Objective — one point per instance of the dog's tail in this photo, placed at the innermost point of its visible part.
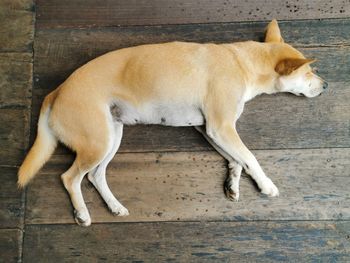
(43, 147)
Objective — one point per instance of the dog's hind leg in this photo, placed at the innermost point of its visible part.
(97, 176)
(87, 159)
(92, 141)
(231, 185)
(72, 179)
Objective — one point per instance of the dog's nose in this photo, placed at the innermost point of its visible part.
(325, 85)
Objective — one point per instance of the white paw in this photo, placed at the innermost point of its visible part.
(82, 218)
(118, 209)
(269, 188)
(231, 189)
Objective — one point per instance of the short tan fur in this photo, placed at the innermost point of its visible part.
(176, 84)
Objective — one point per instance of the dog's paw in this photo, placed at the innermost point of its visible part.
(118, 210)
(269, 188)
(82, 218)
(231, 190)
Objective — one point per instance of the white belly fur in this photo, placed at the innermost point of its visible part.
(169, 114)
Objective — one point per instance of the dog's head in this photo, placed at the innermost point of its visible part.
(295, 74)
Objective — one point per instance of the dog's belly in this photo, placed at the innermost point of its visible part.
(173, 114)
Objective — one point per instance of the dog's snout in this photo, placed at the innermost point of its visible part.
(325, 85)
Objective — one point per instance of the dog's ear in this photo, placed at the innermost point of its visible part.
(288, 65)
(273, 33)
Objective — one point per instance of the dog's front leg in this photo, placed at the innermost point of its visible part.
(231, 185)
(227, 138)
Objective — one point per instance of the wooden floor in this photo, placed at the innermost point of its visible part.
(170, 179)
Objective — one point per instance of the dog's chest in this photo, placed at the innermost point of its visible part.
(169, 114)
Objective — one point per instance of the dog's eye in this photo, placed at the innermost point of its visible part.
(315, 70)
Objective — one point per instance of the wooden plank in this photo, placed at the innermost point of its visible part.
(189, 186)
(11, 203)
(14, 134)
(10, 242)
(17, 26)
(55, 55)
(191, 242)
(65, 13)
(16, 71)
(268, 122)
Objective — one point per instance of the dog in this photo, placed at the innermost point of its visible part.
(174, 84)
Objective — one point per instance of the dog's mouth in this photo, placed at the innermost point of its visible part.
(314, 95)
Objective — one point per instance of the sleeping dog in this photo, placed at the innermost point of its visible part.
(175, 84)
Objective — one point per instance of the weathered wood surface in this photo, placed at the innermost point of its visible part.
(14, 134)
(11, 199)
(189, 186)
(65, 13)
(190, 242)
(10, 245)
(16, 71)
(17, 25)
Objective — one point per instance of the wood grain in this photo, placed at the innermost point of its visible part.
(189, 186)
(190, 242)
(14, 134)
(11, 199)
(16, 71)
(90, 13)
(10, 242)
(17, 25)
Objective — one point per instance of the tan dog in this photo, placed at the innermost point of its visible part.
(176, 84)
